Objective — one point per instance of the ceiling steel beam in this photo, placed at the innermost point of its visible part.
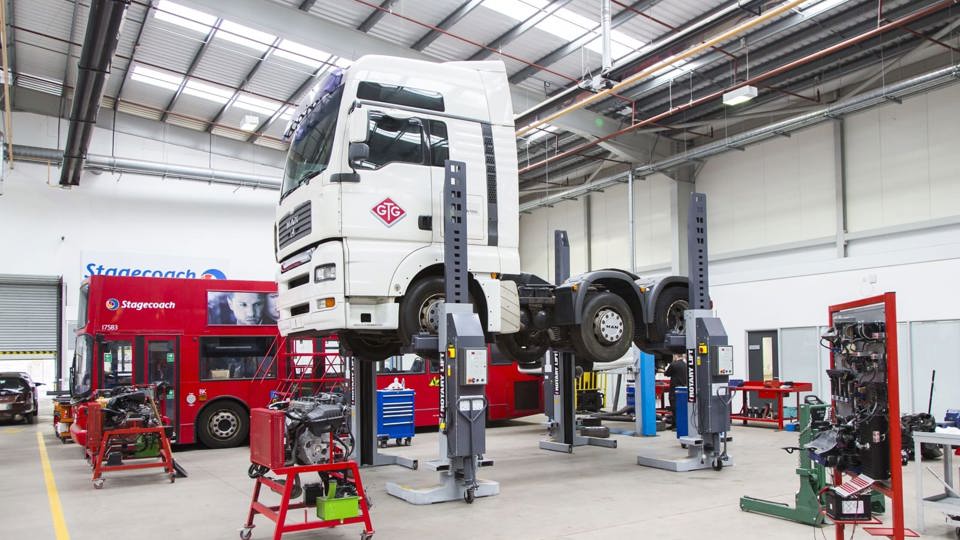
(193, 66)
(519, 29)
(448, 21)
(575, 45)
(375, 17)
(306, 5)
(243, 83)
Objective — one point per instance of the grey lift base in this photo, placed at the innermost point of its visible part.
(692, 462)
(449, 489)
(578, 440)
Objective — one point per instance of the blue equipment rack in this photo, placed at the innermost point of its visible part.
(395, 409)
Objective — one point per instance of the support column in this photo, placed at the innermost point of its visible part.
(840, 184)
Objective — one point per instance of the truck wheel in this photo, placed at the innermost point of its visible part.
(668, 313)
(420, 308)
(528, 355)
(223, 424)
(370, 347)
(606, 332)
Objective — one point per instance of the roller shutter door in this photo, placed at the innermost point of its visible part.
(28, 314)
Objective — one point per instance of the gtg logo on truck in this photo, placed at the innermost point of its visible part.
(388, 212)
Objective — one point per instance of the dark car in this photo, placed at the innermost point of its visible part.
(18, 397)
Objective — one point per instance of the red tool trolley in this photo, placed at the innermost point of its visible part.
(268, 450)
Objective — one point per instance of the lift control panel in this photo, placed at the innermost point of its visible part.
(475, 366)
(724, 364)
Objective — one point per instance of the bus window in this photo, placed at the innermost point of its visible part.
(82, 305)
(117, 359)
(246, 357)
(406, 364)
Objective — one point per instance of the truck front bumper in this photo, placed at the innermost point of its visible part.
(311, 307)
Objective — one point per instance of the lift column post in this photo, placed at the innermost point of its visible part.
(462, 350)
(709, 363)
(560, 377)
(363, 410)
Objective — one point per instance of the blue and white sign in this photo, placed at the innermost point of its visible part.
(151, 265)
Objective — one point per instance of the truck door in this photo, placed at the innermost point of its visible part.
(163, 367)
(468, 144)
(392, 201)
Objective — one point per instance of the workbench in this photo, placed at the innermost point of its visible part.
(777, 393)
(948, 501)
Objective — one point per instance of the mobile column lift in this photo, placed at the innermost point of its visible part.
(709, 364)
(462, 350)
(560, 376)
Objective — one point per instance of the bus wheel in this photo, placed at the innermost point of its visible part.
(223, 424)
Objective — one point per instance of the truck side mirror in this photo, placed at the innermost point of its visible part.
(357, 153)
(357, 126)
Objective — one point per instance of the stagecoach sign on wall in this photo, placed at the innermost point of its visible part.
(151, 265)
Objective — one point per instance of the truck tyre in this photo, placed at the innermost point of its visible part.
(371, 348)
(420, 308)
(606, 332)
(668, 313)
(528, 355)
(223, 424)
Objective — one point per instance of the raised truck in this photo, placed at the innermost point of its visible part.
(359, 236)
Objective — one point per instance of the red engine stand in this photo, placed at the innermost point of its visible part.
(98, 446)
(278, 513)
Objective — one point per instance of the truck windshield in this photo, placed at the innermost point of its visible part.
(312, 140)
(82, 366)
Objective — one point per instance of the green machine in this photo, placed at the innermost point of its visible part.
(813, 476)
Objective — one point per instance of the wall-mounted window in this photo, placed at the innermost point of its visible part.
(237, 357)
(401, 95)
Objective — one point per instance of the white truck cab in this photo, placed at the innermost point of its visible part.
(358, 230)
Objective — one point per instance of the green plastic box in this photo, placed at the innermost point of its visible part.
(329, 508)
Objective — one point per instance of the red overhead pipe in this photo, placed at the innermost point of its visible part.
(934, 8)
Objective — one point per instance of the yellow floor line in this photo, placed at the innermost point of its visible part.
(56, 511)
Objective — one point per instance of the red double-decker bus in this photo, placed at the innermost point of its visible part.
(214, 345)
(211, 343)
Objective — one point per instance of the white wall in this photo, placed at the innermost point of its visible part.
(45, 227)
(609, 240)
(776, 192)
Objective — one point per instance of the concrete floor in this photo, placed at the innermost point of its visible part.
(596, 493)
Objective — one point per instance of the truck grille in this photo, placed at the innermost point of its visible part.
(294, 225)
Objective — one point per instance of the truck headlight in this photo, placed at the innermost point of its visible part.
(325, 272)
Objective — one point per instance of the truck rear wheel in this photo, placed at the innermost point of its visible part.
(515, 346)
(606, 331)
(668, 313)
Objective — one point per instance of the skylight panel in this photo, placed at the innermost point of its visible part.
(207, 91)
(308, 56)
(246, 36)
(184, 17)
(541, 132)
(515, 9)
(155, 77)
(256, 104)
